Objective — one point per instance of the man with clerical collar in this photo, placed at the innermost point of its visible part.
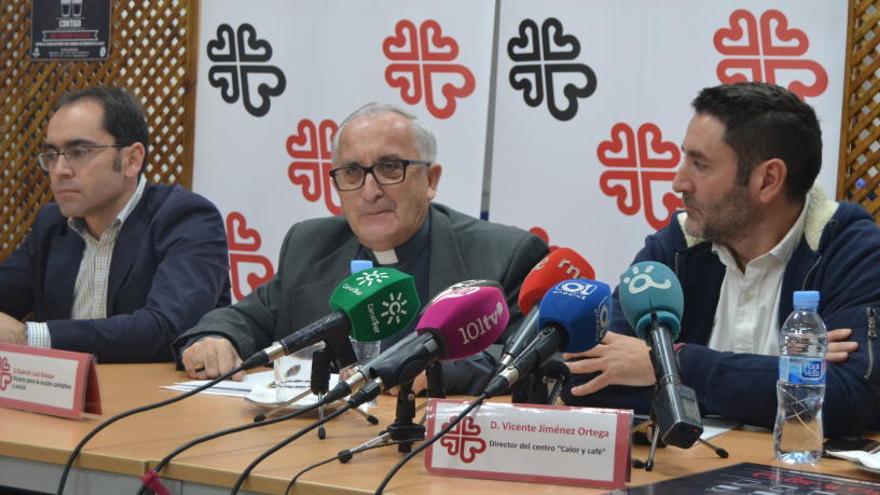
(754, 230)
(385, 170)
(115, 266)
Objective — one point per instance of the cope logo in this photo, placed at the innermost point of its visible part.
(464, 441)
(240, 62)
(542, 65)
(312, 162)
(637, 160)
(5, 373)
(767, 50)
(245, 263)
(421, 59)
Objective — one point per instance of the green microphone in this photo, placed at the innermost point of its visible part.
(369, 305)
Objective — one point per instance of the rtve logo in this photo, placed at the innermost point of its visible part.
(244, 244)
(464, 440)
(422, 58)
(761, 50)
(241, 60)
(637, 159)
(312, 161)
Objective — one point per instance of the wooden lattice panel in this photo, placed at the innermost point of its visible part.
(859, 176)
(152, 54)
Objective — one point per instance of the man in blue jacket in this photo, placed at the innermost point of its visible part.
(114, 267)
(754, 230)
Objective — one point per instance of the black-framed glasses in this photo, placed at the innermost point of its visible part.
(76, 155)
(385, 172)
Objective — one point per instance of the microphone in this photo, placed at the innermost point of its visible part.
(574, 317)
(561, 264)
(461, 323)
(652, 302)
(361, 373)
(370, 305)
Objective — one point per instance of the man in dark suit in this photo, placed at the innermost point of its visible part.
(114, 266)
(384, 169)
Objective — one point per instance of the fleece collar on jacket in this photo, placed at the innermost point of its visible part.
(820, 209)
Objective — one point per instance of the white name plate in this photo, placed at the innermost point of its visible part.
(48, 381)
(533, 443)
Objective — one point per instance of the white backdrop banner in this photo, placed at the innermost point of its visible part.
(593, 100)
(591, 104)
(276, 78)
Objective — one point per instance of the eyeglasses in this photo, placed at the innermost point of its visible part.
(76, 155)
(385, 172)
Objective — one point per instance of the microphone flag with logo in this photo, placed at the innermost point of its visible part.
(561, 264)
(462, 323)
(573, 317)
(648, 288)
(369, 305)
(652, 302)
(380, 302)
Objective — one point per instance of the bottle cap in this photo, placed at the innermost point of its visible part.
(806, 299)
(360, 265)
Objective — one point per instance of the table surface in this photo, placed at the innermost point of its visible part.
(135, 444)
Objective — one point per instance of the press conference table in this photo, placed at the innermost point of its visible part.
(33, 449)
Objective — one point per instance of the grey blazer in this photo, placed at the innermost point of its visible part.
(315, 257)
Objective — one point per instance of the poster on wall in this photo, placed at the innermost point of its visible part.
(70, 29)
(277, 77)
(593, 101)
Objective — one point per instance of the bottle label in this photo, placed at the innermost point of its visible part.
(802, 371)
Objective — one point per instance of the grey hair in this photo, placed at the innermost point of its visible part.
(425, 140)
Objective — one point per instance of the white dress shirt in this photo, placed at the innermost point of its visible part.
(747, 315)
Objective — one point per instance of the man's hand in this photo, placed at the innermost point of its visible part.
(838, 347)
(211, 357)
(622, 360)
(12, 331)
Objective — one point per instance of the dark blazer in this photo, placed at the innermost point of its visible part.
(170, 266)
(315, 257)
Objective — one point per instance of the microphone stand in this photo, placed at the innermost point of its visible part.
(653, 432)
(542, 386)
(403, 432)
(403, 429)
(681, 391)
(320, 384)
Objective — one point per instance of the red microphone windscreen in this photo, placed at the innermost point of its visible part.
(467, 320)
(561, 264)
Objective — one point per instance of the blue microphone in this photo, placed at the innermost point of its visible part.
(652, 302)
(574, 317)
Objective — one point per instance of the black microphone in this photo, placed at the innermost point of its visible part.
(652, 302)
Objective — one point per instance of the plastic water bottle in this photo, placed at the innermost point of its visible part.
(364, 351)
(800, 391)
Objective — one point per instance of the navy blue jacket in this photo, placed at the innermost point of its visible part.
(839, 256)
(169, 267)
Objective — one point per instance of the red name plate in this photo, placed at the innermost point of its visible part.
(534, 443)
(48, 381)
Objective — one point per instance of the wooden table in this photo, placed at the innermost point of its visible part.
(33, 449)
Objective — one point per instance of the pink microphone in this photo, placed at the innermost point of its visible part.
(459, 323)
(466, 320)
